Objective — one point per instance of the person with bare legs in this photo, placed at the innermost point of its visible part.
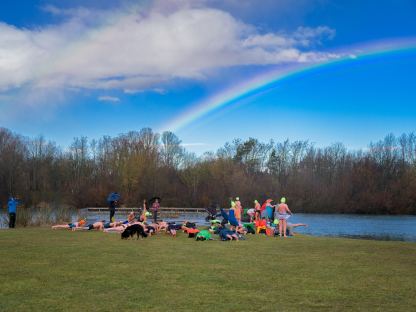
(291, 226)
(69, 226)
(283, 213)
(238, 209)
(145, 213)
(155, 209)
(119, 228)
(99, 226)
(162, 226)
(257, 208)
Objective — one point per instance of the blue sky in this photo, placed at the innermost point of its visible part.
(93, 68)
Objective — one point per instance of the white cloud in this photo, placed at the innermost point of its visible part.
(142, 49)
(307, 36)
(106, 98)
(269, 40)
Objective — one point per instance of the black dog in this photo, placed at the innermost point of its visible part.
(133, 229)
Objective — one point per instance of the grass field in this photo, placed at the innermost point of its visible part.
(45, 270)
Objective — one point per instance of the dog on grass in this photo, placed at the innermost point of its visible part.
(135, 229)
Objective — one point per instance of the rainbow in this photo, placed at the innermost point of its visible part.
(267, 80)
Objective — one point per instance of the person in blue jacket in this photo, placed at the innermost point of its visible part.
(11, 206)
(112, 201)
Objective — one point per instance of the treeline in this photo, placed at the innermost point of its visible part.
(139, 165)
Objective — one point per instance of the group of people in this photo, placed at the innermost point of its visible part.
(278, 214)
(113, 203)
(134, 224)
(267, 218)
(235, 224)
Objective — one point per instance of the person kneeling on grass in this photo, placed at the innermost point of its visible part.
(190, 229)
(226, 234)
(71, 226)
(172, 228)
(203, 235)
(151, 229)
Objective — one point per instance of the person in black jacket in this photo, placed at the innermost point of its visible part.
(112, 207)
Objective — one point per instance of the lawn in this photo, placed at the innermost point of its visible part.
(45, 270)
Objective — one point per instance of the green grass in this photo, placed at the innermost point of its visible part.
(45, 270)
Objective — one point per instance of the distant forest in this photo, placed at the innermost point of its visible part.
(140, 165)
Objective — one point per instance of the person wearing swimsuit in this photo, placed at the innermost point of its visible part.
(283, 213)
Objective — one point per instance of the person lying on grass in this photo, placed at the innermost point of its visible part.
(151, 229)
(163, 226)
(119, 228)
(99, 226)
(70, 226)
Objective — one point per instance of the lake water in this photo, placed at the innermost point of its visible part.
(358, 226)
(338, 225)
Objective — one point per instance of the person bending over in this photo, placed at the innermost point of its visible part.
(172, 228)
(163, 226)
(226, 234)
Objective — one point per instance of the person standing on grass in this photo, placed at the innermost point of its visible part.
(112, 201)
(266, 208)
(112, 207)
(11, 207)
(283, 213)
(238, 209)
(257, 207)
(155, 209)
(143, 215)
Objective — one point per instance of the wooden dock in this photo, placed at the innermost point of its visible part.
(163, 211)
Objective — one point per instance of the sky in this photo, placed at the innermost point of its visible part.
(325, 71)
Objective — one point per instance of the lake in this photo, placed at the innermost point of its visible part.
(401, 228)
(358, 226)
